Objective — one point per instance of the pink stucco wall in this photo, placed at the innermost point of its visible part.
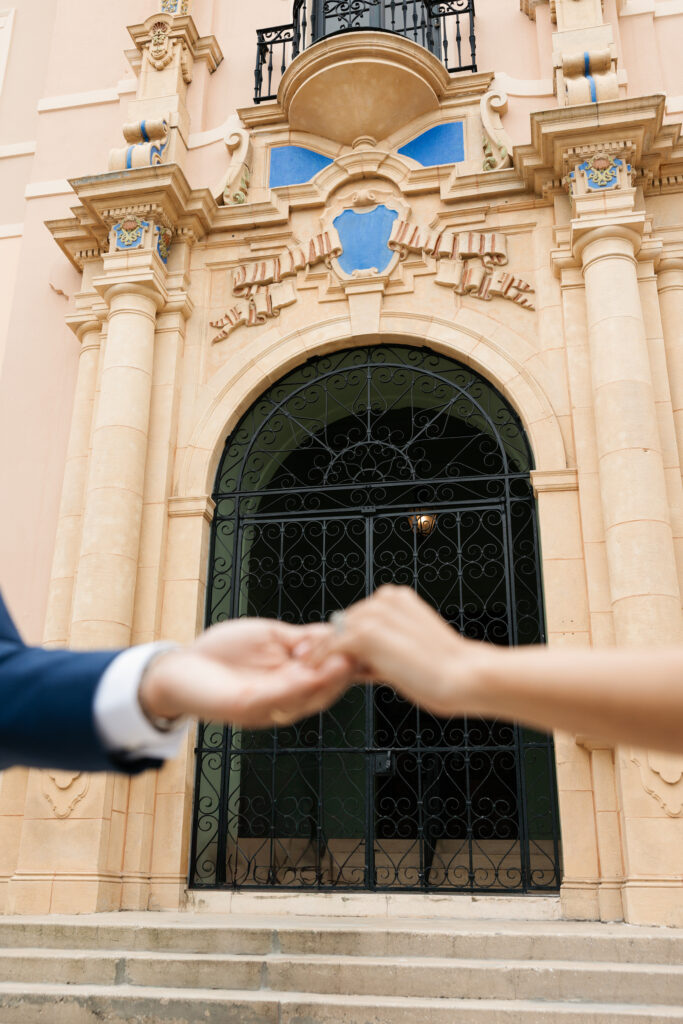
(63, 50)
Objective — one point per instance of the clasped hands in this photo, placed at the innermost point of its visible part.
(256, 673)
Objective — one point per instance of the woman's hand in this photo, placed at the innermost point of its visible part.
(244, 673)
(395, 637)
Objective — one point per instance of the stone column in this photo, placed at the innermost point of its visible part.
(646, 600)
(73, 834)
(105, 589)
(645, 594)
(670, 286)
(68, 541)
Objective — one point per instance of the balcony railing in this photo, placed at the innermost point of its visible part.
(444, 27)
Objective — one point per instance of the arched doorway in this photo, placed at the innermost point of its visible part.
(375, 465)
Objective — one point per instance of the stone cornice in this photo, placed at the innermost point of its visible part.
(163, 188)
(558, 135)
(81, 237)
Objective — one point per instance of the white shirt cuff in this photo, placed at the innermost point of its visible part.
(120, 721)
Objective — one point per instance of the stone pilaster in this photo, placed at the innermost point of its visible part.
(670, 287)
(88, 329)
(608, 234)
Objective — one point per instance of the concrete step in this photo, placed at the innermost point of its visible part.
(578, 942)
(362, 976)
(123, 1004)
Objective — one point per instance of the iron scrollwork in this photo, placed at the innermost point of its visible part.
(445, 28)
(369, 466)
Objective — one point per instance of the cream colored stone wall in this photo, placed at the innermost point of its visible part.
(128, 420)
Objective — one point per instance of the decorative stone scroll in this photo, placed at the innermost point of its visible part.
(497, 142)
(233, 187)
(469, 262)
(266, 287)
(148, 141)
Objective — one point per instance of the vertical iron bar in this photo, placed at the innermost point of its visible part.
(226, 745)
(370, 879)
(320, 836)
(513, 635)
(418, 738)
(258, 74)
(473, 39)
(271, 49)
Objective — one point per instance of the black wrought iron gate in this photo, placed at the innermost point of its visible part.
(386, 464)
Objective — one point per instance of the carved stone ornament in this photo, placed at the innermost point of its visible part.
(161, 46)
(601, 171)
(233, 187)
(263, 289)
(468, 262)
(164, 238)
(64, 790)
(148, 142)
(129, 234)
(662, 778)
(497, 142)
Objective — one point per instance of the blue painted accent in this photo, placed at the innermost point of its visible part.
(365, 238)
(143, 131)
(295, 165)
(593, 185)
(591, 80)
(137, 239)
(129, 158)
(158, 152)
(443, 144)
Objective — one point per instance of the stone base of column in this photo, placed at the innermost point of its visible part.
(654, 901)
(168, 892)
(579, 899)
(610, 901)
(62, 893)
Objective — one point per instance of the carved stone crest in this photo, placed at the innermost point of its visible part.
(161, 46)
(64, 790)
(662, 778)
(129, 232)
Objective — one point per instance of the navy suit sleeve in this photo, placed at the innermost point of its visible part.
(46, 707)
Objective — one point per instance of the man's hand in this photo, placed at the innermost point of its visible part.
(244, 673)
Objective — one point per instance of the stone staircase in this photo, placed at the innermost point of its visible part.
(182, 968)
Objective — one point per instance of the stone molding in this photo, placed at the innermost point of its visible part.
(184, 507)
(545, 481)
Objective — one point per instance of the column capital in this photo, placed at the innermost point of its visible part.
(133, 274)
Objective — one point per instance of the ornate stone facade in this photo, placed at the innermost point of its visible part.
(221, 248)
